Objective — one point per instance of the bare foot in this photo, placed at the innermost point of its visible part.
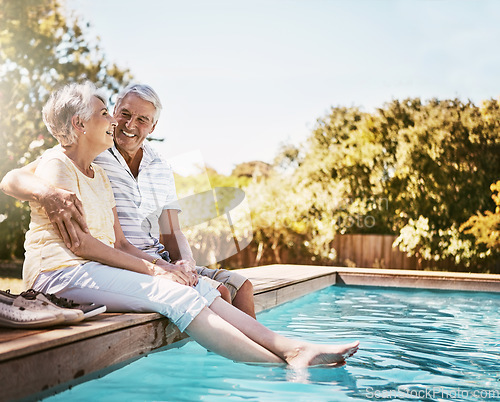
(314, 355)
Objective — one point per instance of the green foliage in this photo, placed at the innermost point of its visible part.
(445, 161)
(414, 169)
(40, 48)
(346, 151)
(205, 198)
(206, 179)
(252, 170)
(288, 158)
(288, 218)
(486, 228)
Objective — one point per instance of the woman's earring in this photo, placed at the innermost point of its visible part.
(84, 132)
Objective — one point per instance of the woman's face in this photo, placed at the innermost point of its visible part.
(99, 128)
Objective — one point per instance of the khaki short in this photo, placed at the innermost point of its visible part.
(230, 279)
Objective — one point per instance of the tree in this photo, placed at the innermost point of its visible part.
(346, 152)
(288, 158)
(446, 160)
(253, 169)
(40, 48)
(486, 228)
(415, 169)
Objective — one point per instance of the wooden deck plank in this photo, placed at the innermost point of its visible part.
(277, 276)
(53, 367)
(35, 341)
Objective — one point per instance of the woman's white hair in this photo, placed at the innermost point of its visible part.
(66, 102)
(144, 92)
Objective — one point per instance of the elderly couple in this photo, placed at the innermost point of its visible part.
(97, 200)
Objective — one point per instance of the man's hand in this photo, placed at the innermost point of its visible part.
(179, 272)
(64, 210)
(187, 264)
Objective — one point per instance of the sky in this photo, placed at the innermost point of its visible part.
(238, 79)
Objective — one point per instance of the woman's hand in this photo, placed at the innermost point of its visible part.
(179, 272)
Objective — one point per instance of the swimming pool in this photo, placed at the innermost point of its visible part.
(417, 345)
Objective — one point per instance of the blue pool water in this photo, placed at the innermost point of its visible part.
(416, 345)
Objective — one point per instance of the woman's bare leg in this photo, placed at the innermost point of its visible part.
(219, 336)
(295, 353)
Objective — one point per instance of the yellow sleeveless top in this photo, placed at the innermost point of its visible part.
(45, 249)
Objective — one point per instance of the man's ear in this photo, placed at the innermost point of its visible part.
(77, 123)
(153, 128)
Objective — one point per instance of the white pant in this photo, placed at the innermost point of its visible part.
(127, 291)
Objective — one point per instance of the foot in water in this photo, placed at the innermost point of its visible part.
(314, 355)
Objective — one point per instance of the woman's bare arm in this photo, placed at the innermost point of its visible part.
(63, 207)
(127, 256)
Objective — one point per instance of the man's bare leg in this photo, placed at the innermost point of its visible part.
(224, 293)
(244, 299)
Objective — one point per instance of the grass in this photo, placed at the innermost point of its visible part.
(15, 285)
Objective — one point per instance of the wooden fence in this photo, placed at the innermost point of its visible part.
(371, 251)
(362, 251)
(376, 251)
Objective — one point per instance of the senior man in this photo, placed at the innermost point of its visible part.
(144, 190)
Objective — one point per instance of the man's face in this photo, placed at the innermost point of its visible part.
(135, 117)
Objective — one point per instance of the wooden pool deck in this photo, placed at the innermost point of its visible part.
(38, 363)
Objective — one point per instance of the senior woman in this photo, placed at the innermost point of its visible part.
(105, 268)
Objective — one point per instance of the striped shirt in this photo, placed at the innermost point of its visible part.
(140, 201)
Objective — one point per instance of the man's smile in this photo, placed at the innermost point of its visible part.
(128, 134)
